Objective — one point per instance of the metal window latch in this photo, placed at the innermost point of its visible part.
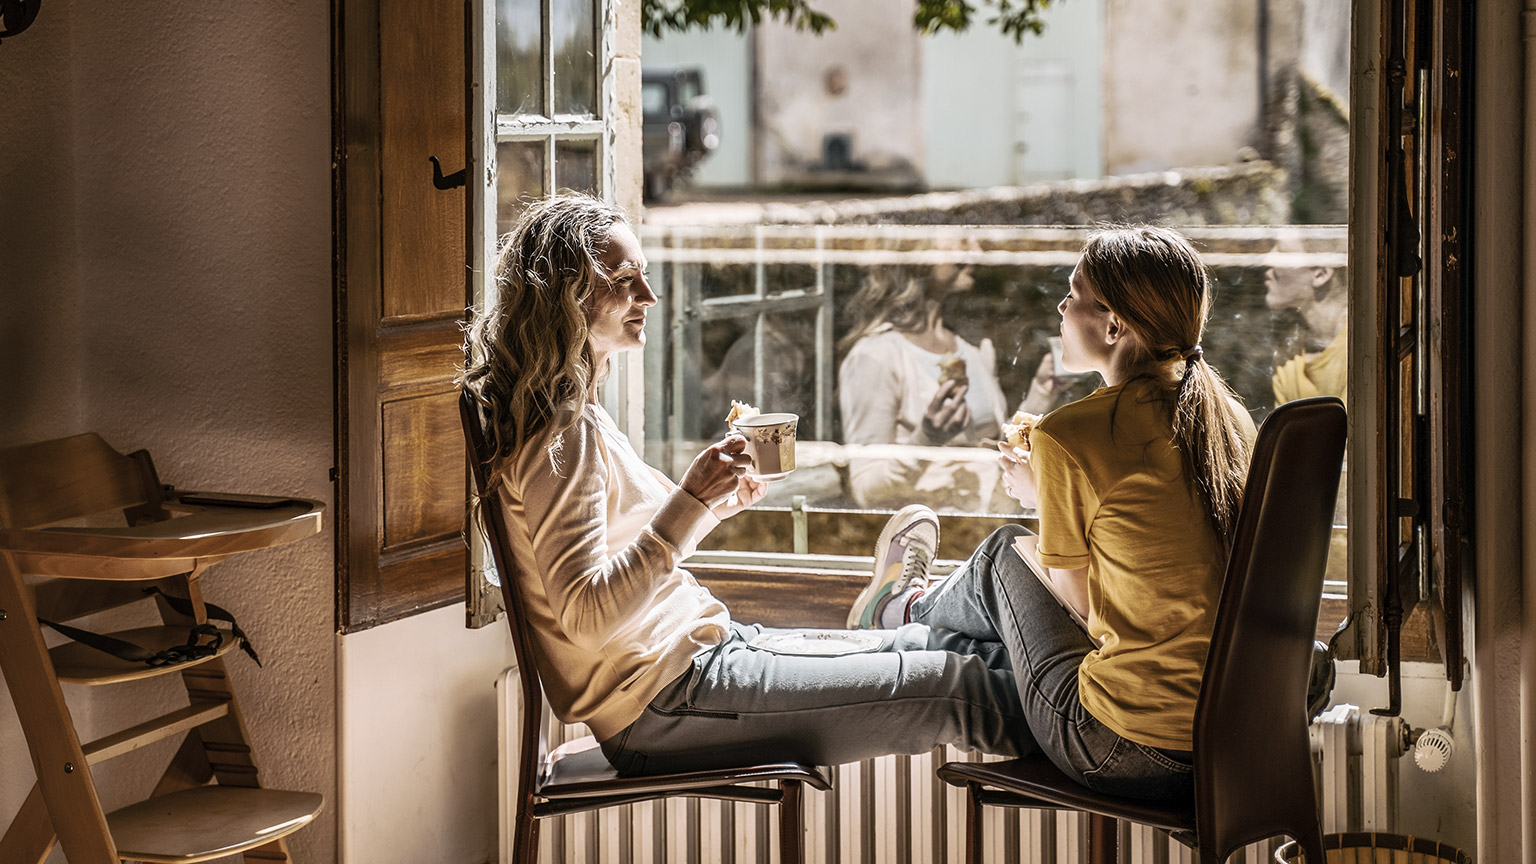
(451, 181)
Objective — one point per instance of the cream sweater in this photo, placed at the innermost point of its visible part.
(596, 535)
(884, 388)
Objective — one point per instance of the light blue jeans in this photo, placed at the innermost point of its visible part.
(989, 663)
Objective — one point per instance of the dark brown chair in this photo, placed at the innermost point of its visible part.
(1253, 767)
(577, 778)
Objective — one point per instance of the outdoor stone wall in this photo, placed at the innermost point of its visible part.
(1249, 193)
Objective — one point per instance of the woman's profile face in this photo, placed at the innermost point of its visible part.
(952, 276)
(1084, 327)
(616, 309)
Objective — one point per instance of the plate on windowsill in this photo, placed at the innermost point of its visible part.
(817, 643)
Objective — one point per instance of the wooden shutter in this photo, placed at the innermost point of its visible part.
(401, 293)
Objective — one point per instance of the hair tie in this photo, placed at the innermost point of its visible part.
(1190, 355)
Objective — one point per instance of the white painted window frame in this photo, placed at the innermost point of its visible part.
(487, 129)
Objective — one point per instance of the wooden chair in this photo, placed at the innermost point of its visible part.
(1253, 766)
(63, 572)
(577, 777)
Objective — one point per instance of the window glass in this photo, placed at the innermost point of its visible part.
(519, 179)
(573, 31)
(519, 71)
(576, 165)
(802, 273)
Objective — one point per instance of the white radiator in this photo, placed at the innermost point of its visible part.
(1357, 754)
(895, 810)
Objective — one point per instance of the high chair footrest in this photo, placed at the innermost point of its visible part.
(208, 822)
(75, 663)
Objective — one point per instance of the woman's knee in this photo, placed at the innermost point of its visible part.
(1003, 537)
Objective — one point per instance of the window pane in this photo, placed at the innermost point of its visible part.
(997, 290)
(576, 166)
(519, 74)
(519, 179)
(1261, 189)
(573, 30)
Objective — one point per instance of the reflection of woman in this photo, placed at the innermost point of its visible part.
(626, 641)
(1137, 487)
(1319, 366)
(889, 390)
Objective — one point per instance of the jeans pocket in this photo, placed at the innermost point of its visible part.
(1164, 760)
(617, 752)
(1107, 759)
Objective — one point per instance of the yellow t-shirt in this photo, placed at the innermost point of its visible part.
(1325, 373)
(1115, 498)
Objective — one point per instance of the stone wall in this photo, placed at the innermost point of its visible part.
(1248, 193)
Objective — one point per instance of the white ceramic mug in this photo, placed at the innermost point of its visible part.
(770, 443)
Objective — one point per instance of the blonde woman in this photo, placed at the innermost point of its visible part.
(1137, 487)
(626, 640)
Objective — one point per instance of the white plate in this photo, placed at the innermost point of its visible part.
(817, 643)
(765, 477)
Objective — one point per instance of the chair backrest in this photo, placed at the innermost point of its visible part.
(533, 742)
(66, 478)
(1253, 768)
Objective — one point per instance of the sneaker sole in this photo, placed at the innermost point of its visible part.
(871, 593)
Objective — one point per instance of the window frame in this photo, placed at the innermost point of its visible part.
(487, 129)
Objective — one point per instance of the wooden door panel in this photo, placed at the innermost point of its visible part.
(421, 103)
(423, 471)
(421, 359)
(402, 290)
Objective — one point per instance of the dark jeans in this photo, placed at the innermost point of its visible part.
(994, 596)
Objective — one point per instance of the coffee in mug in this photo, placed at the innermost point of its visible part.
(770, 444)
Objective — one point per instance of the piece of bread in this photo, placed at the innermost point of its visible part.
(740, 411)
(1016, 430)
(952, 368)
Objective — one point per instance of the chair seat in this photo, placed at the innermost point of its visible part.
(579, 770)
(1034, 781)
(208, 822)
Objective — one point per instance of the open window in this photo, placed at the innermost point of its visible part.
(516, 104)
(1412, 212)
(542, 108)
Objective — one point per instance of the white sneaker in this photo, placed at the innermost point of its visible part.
(906, 547)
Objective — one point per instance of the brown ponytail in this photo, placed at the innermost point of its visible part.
(1155, 282)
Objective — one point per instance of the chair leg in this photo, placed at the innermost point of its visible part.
(791, 817)
(525, 836)
(65, 778)
(1103, 839)
(30, 837)
(973, 838)
(1312, 845)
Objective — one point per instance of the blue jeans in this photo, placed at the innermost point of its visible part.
(739, 705)
(994, 596)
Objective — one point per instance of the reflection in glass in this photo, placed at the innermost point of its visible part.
(789, 278)
(1005, 312)
(519, 179)
(519, 74)
(724, 280)
(576, 165)
(573, 32)
(729, 364)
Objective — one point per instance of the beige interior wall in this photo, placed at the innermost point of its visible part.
(165, 211)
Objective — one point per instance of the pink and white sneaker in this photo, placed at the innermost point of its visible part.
(906, 547)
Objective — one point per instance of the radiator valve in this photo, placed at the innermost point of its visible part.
(1434, 749)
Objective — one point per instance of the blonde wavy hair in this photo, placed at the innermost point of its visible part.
(527, 359)
(1153, 279)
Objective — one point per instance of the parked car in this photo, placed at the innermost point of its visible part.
(680, 126)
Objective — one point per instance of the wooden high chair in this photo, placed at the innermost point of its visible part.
(57, 573)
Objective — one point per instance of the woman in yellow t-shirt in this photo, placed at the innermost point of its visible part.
(1137, 487)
